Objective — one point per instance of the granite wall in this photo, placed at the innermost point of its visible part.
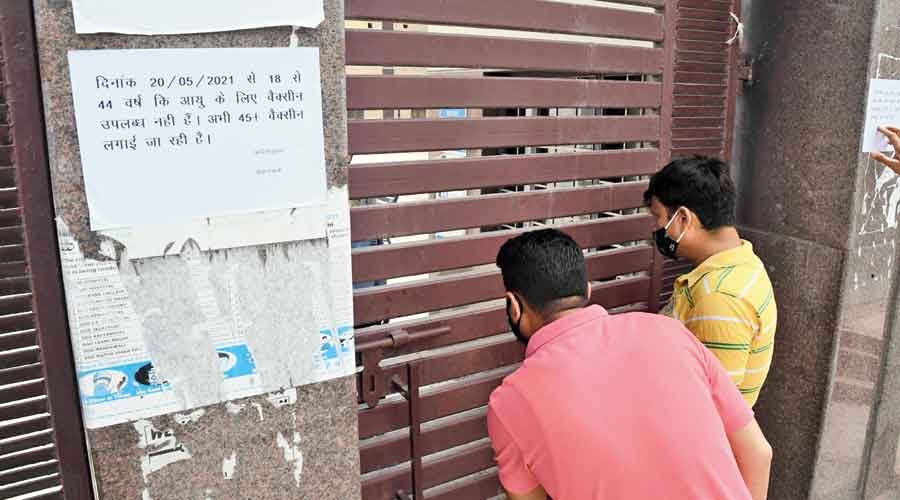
(247, 449)
(824, 219)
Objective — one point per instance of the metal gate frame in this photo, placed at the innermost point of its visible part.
(28, 150)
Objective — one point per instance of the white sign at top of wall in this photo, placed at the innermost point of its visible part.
(169, 17)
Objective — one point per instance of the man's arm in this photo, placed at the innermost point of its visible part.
(752, 452)
(754, 458)
(514, 473)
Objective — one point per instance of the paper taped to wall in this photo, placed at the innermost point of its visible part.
(882, 108)
(170, 17)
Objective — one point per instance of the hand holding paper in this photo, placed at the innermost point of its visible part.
(892, 135)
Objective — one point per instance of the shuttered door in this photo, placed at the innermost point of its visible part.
(473, 121)
(42, 453)
(705, 88)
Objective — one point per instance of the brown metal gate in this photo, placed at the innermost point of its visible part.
(473, 121)
(42, 449)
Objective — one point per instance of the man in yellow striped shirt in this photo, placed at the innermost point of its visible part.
(727, 301)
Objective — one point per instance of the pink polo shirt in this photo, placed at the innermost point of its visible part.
(626, 407)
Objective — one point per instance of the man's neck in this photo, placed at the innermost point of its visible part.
(560, 315)
(718, 241)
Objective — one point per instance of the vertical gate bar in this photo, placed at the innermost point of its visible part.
(665, 137)
(415, 428)
(734, 58)
(19, 48)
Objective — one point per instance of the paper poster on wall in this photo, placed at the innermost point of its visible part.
(173, 136)
(169, 17)
(882, 108)
(120, 380)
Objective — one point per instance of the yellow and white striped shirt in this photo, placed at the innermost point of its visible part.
(729, 304)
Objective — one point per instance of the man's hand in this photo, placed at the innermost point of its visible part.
(536, 494)
(893, 136)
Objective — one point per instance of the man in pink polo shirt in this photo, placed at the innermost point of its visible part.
(626, 407)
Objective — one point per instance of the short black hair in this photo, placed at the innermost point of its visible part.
(544, 267)
(700, 183)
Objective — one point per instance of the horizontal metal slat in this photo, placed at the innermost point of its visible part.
(18, 340)
(458, 465)
(13, 269)
(545, 17)
(11, 253)
(398, 178)
(27, 458)
(697, 111)
(486, 486)
(394, 48)
(454, 398)
(375, 304)
(25, 427)
(29, 472)
(720, 57)
(707, 78)
(684, 152)
(397, 136)
(719, 5)
(15, 304)
(15, 286)
(697, 89)
(12, 359)
(683, 68)
(19, 392)
(702, 122)
(7, 177)
(23, 443)
(27, 372)
(706, 46)
(454, 431)
(437, 471)
(13, 235)
(9, 197)
(460, 362)
(703, 14)
(373, 222)
(391, 261)
(724, 27)
(700, 100)
(10, 217)
(31, 486)
(698, 143)
(6, 155)
(417, 92)
(16, 322)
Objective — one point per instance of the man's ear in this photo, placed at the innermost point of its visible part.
(689, 218)
(514, 305)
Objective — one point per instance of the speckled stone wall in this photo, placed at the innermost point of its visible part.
(246, 449)
(823, 217)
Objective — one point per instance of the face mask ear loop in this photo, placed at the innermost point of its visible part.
(684, 231)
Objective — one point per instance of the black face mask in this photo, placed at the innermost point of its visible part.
(514, 327)
(666, 245)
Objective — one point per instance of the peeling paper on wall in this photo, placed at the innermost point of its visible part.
(162, 448)
(164, 335)
(194, 417)
(292, 454)
(228, 465)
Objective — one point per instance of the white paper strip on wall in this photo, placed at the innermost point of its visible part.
(168, 17)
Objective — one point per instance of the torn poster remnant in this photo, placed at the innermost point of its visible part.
(165, 335)
(292, 454)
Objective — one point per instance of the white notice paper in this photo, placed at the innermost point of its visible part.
(882, 108)
(175, 135)
(162, 17)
